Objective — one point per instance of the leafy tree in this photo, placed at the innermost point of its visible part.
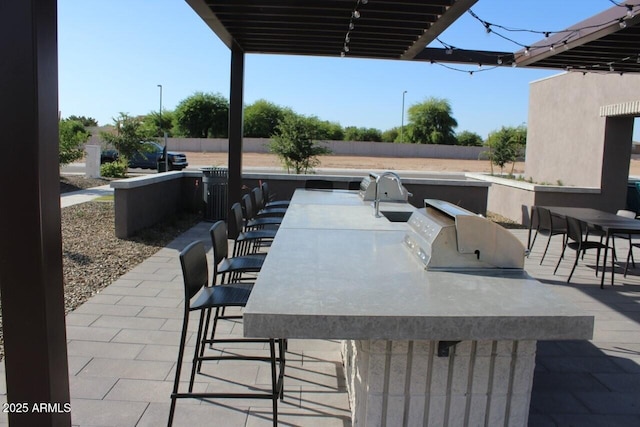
(86, 121)
(203, 115)
(505, 146)
(129, 132)
(262, 117)
(323, 129)
(431, 122)
(470, 139)
(293, 143)
(391, 135)
(352, 133)
(72, 135)
(151, 123)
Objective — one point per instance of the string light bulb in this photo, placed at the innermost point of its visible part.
(499, 60)
(364, 1)
(355, 14)
(622, 23)
(526, 51)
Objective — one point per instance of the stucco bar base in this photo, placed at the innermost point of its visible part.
(406, 383)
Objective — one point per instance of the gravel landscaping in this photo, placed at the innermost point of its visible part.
(92, 256)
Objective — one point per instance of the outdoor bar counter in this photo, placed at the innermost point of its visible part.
(419, 347)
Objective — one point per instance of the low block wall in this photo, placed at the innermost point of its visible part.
(470, 194)
(144, 201)
(513, 199)
(346, 148)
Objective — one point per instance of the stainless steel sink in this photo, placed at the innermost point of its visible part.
(397, 216)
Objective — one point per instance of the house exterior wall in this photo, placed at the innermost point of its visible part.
(566, 133)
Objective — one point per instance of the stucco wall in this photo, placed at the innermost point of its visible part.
(347, 148)
(566, 134)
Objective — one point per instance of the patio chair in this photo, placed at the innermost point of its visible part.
(259, 207)
(267, 197)
(199, 297)
(577, 240)
(549, 225)
(231, 269)
(251, 222)
(247, 241)
(628, 214)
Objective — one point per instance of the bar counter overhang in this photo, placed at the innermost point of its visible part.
(420, 347)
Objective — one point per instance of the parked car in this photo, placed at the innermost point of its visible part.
(148, 158)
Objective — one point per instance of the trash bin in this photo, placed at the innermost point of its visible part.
(215, 193)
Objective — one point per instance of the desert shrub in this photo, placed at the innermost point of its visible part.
(117, 169)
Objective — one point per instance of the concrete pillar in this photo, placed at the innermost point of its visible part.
(31, 277)
(235, 126)
(92, 161)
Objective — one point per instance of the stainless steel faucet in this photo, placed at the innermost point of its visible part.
(376, 201)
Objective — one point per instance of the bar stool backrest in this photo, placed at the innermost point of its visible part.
(195, 270)
(249, 213)
(218, 232)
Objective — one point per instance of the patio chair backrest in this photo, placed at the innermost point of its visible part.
(575, 229)
(257, 199)
(247, 204)
(626, 213)
(195, 270)
(544, 219)
(218, 232)
(236, 222)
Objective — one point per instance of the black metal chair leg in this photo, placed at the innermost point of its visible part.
(560, 259)
(574, 266)
(545, 249)
(274, 384)
(196, 353)
(176, 381)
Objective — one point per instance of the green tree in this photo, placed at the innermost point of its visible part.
(352, 133)
(262, 117)
(293, 144)
(129, 132)
(470, 139)
(506, 145)
(86, 121)
(203, 115)
(391, 135)
(151, 123)
(431, 122)
(323, 129)
(72, 135)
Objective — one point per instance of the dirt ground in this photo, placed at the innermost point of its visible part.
(356, 162)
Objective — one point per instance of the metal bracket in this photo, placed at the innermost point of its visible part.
(443, 347)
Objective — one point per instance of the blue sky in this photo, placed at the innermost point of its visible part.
(114, 53)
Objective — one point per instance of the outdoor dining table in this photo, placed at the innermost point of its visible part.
(608, 222)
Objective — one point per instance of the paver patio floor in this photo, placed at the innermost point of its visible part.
(123, 343)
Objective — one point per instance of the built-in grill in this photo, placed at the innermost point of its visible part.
(444, 236)
(391, 190)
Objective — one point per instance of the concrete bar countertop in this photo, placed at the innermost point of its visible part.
(335, 271)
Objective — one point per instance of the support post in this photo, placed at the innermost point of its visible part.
(31, 278)
(235, 126)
